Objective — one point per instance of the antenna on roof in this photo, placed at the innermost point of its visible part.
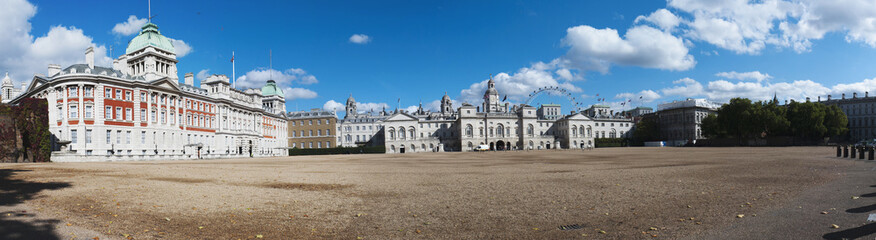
(149, 17)
(271, 63)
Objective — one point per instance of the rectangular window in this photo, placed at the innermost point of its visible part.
(60, 113)
(152, 116)
(109, 136)
(143, 137)
(73, 136)
(128, 95)
(74, 111)
(107, 92)
(86, 91)
(128, 114)
(318, 144)
(119, 113)
(109, 112)
(72, 92)
(118, 94)
(328, 144)
(142, 115)
(88, 136)
(119, 136)
(142, 96)
(88, 111)
(163, 115)
(319, 132)
(128, 137)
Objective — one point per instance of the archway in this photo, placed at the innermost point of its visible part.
(548, 146)
(492, 146)
(500, 145)
(401, 149)
(507, 145)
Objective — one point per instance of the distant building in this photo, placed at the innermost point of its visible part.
(360, 129)
(8, 90)
(312, 129)
(861, 113)
(681, 121)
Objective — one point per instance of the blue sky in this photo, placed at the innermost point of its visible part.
(417, 50)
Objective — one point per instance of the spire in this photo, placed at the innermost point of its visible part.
(775, 98)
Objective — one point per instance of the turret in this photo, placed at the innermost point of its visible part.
(351, 107)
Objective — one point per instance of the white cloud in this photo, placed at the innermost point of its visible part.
(747, 27)
(24, 55)
(130, 27)
(690, 88)
(643, 46)
(360, 39)
(181, 47)
(755, 75)
(331, 105)
(298, 93)
(644, 96)
(257, 78)
(662, 18)
(363, 107)
(518, 85)
(203, 74)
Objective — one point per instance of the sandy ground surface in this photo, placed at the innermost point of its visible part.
(618, 193)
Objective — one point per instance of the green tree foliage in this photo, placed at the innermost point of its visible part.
(836, 121)
(711, 127)
(743, 119)
(647, 129)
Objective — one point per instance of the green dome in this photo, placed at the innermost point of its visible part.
(149, 36)
(271, 89)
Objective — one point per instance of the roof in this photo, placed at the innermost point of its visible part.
(149, 36)
(271, 88)
(98, 70)
(550, 105)
(645, 108)
(600, 106)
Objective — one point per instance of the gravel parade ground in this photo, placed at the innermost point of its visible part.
(612, 193)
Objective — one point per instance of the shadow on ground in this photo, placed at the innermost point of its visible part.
(854, 233)
(13, 225)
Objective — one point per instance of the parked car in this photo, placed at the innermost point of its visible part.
(866, 143)
(482, 148)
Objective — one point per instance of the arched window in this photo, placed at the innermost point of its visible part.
(589, 131)
(469, 130)
(500, 131)
(574, 131)
(413, 133)
(391, 132)
(612, 134)
(392, 148)
(401, 133)
(530, 130)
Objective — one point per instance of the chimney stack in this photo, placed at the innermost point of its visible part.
(844, 96)
(819, 98)
(89, 57)
(54, 69)
(190, 79)
(855, 95)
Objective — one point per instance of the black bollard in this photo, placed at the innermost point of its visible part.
(871, 153)
(861, 152)
(854, 153)
(846, 151)
(839, 151)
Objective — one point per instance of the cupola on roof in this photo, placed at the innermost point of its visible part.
(149, 36)
(271, 89)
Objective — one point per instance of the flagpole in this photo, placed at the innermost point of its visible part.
(233, 74)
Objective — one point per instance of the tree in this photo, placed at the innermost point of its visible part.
(835, 121)
(807, 119)
(711, 127)
(647, 129)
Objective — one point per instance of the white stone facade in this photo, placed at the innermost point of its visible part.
(138, 110)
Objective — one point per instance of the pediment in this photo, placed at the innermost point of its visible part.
(401, 117)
